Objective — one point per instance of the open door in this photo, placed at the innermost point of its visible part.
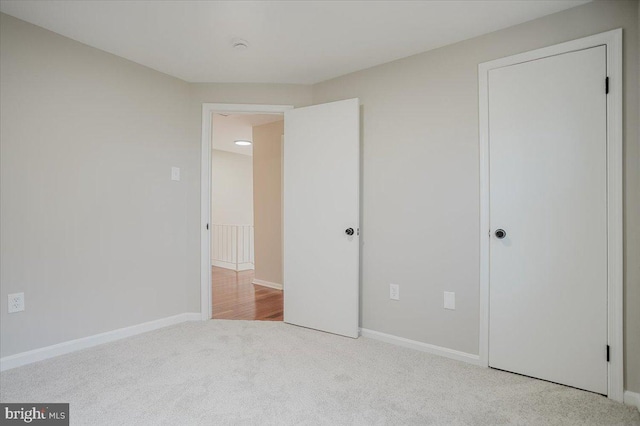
(321, 217)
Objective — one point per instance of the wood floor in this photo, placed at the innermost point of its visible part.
(235, 297)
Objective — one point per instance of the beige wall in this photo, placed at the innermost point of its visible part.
(93, 230)
(231, 188)
(632, 238)
(267, 200)
(421, 185)
(263, 94)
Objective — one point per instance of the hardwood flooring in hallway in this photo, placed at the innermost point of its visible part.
(235, 297)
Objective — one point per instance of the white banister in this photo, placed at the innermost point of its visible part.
(232, 246)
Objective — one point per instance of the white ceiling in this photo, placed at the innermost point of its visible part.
(290, 41)
(229, 128)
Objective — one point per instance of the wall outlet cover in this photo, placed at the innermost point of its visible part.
(449, 300)
(15, 302)
(394, 291)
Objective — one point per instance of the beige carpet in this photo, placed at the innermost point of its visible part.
(269, 373)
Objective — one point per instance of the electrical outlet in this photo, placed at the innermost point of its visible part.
(15, 302)
(449, 300)
(394, 291)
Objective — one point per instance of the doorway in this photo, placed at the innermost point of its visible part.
(321, 213)
(246, 216)
(551, 209)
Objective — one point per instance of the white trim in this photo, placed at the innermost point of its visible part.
(420, 346)
(247, 108)
(614, 214)
(632, 398)
(40, 354)
(267, 284)
(205, 214)
(485, 229)
(239, 267)
(205, 189)
(613, 41)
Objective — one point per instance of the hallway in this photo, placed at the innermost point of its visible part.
(235, 297)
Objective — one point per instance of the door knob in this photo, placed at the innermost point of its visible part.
(500, 233)
(349, 231)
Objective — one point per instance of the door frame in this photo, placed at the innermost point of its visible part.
(613, 42)
(208, 109)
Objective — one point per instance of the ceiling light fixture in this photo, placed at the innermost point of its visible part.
(243, 143)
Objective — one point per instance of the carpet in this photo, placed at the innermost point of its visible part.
(270, 373)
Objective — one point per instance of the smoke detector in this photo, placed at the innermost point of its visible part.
(239, 44)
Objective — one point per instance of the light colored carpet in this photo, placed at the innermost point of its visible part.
(269, 373)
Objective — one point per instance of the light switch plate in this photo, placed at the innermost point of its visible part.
(175, 173)
(449, 300)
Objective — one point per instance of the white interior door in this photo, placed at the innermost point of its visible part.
(321, 203)
(548, 192)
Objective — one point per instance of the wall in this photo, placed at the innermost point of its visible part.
(264, 94)
(267, 201)
(421, 185)
(231, 188)
(632, 247)
(91, 222)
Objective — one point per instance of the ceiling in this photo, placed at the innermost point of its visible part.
(229, 128)
(301, 42)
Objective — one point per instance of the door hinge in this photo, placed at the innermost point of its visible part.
(606, 85)
(207, 226)
(608, 350)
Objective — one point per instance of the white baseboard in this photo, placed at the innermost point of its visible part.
(245, 267)
(35, 355)
(424, 347)
(229, 265)
(222, 264)
(632, 398)
(268, 284)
